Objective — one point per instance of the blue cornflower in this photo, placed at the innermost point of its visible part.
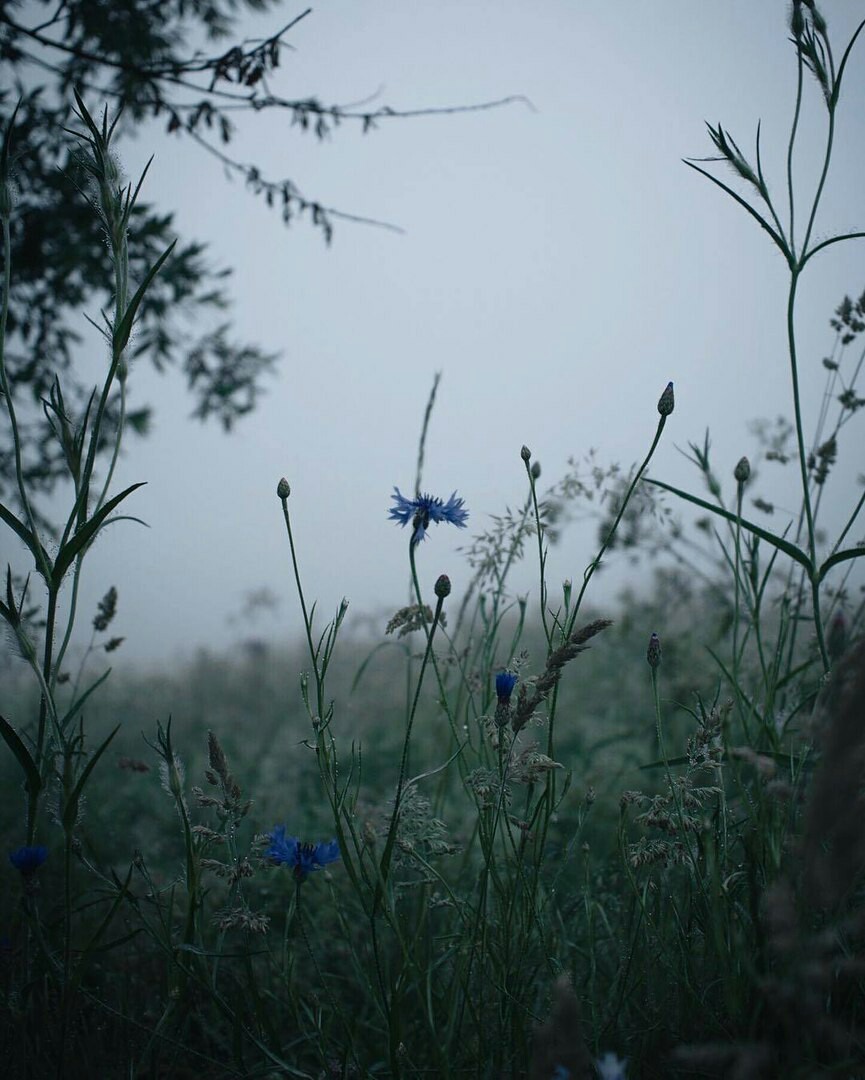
(28, 859)
(425, 509)
(302, 858)
(505, 683)
(611, 1067)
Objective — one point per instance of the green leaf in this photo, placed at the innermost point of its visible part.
(663, 764)
(77, 704)
(127, 517)
(839, 557)
(117, 942)
(792, 675)
(85, 115)
(826, 243)
(21, 530)
(7, 144)
(124, 328)
(70, 810)
(361, 671)
(746, 697)
(92, 945)
(779, 542)
(32, 778)
(69, 552)
(779, 241)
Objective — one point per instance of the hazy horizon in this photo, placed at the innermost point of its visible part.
(559, 265)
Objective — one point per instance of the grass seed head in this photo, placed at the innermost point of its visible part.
(797, 19)
(412, 618)
(816, 16)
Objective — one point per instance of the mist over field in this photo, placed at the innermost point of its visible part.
(431, 509)
(559, 264)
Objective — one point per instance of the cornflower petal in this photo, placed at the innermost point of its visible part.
(283, 849)
(303, 858)
(426, 509)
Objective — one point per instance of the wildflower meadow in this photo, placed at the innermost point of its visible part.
(502, 836)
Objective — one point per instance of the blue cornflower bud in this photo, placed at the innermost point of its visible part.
(28, 859)
(505, 683)
(443, 586)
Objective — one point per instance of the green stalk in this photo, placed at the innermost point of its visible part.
(307, 626)
(428, 631)
(301, 922)
(542, 557)
(46, 703)
(796, 113)
(830, 138)
(859, 504)
(120, 252)
(803, 469)
(737, 586)
(121, 301)
(41, 559)
(501, 577)
(673, 789)
(391, 834)
(593, 566)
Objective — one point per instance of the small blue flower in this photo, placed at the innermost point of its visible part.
(611, 1067)
(505, 683)
(28, 859)
(425, 509)
(302, 858)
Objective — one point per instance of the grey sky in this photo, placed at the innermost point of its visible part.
(560, 265)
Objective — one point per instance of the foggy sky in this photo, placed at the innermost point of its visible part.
(559, 265)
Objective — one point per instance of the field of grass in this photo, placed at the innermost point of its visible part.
(494, 839)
